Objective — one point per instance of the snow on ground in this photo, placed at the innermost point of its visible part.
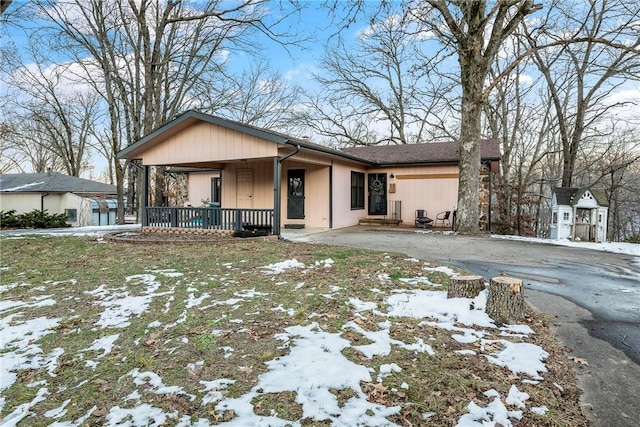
(314, 366)
(615, 247)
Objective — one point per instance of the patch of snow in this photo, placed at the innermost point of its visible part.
(495, 413)
(516, 397)
(360, 305)
(520, 357)
(104, 344)
(212, 388)
(142, 415)
(419, 280)
(539, 410)
(615, 247)
(421, 304)
(313, 367)
(59, 411)
(155, 381)
(281, 267)
(388, 369)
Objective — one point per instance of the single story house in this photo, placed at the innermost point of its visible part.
(258, 178)
(85, 202)
(579, 214)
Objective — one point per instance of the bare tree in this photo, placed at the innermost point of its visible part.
(149, 58)
(258, 96)
(376, 91)
(611, 162)
(476, 31)
(58, 117)
(592, 49)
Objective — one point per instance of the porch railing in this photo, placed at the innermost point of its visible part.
(210, 218)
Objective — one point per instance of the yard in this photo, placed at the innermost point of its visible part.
(260, 333)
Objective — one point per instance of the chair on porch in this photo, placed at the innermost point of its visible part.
(422, 220)
(443, 217)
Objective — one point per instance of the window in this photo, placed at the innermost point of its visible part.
(72, 215)
(565, 216)
(216, 191)
(357, 190)
(554, 220)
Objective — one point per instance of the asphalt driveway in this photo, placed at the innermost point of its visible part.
(593, 296)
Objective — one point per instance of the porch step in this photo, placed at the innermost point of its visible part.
(380, 221)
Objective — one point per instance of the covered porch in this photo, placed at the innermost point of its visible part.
(241, 179)
(257, 221)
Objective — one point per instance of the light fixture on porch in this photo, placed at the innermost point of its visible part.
(392, 175)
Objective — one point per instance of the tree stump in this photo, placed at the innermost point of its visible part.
(465, 286)
(505, 302)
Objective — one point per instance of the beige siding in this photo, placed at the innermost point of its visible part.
(343, 216)
(262, 184)
(316, 202)
(205, 142)
(52, 203)
(199, 187)
(21, 202)
(434, 188)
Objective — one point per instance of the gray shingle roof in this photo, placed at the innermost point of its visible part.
(435, 152)
(570, 195)
(53, 183)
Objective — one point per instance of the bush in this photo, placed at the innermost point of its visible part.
(34, 219)
(633, 239)
(9, 219)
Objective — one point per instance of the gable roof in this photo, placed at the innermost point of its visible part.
(570, 195)
(435, 152)
(190, 117)
(375, 155)
(52, 183)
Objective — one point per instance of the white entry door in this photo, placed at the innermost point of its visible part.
(244, 184)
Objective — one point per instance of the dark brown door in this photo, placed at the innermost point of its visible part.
(295, 194)
(377, 194)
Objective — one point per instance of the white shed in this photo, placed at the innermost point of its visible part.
(579, 214)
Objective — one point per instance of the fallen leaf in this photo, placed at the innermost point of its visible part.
(579, 360)
(101, 412)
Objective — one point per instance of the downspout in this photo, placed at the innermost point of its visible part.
(490, 196)
(277, 173)
(42, 196)
(331, 195)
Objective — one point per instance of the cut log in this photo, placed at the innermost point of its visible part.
(505, 302)
(465, 286)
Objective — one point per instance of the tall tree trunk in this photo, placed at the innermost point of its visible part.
(468, 214)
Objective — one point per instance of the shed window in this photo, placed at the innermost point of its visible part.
(554, 219)
(72, 215)
(357, 190)
(565, 216)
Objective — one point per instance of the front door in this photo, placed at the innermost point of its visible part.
(244, 185)
(377, 194)
(295, 194)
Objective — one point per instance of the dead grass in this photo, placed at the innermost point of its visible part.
(231, 334)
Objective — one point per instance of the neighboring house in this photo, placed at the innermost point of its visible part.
(84, 202)
(260, 177)
(579, 214)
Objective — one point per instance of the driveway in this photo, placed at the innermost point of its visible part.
(592, 296)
